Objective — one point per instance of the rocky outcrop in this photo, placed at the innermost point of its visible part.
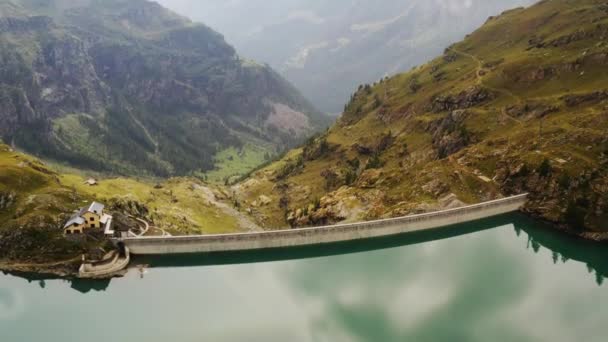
(262, 201)
(449, 134)
(363, 149)
(578, 99)
(574, 201)
(601, 30)
(369, 178)
(531, 110)
(465, 99)
(343, 204)
(7, 199)
(124, 223)
(128, 206)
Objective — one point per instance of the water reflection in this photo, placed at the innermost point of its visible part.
(517, 282)
(80, 285)
(565, 248)
(562, 247)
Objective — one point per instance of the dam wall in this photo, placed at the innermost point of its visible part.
(320, 235)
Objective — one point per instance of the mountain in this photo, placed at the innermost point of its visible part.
(520, 105)
(133, 88)
(328, 48)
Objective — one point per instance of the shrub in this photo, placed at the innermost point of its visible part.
(564, 181)
(354, 163)
(331, 179)
(374, 162)
(575, 217)
(377, 102)
(544, 169)
(350, 177)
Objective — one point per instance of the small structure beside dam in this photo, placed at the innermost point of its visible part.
(320, 235)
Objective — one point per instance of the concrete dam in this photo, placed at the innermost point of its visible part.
(321, 235)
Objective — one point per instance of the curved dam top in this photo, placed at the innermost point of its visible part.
(321, 235)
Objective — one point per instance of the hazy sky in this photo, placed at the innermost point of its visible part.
(327, 48)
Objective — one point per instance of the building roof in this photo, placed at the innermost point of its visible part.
(94, 207)
(75, 219)
(91, 181)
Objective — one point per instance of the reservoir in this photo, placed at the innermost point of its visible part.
(508, 278)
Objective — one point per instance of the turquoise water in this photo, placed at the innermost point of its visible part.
(506, 279)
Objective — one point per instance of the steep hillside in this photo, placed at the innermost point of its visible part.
(130, 87)
(521, 105)
(329, 47)
(32, 206)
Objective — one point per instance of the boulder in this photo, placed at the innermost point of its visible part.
(369, 178)
(435, 188)
(451, 201)
(264, 200)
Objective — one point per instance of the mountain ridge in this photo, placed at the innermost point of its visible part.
(327, 48)
(518, 106)
(124, 86)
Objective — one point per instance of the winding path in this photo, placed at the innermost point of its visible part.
(479, 74)
(244, 222)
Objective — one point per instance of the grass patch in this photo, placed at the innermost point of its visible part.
(235, 162)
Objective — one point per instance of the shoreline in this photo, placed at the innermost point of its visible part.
(600, 237)
(66, 269)
(69, 269)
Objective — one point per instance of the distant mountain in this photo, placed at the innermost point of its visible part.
(519, 106)
(131, 87)
(328, 48)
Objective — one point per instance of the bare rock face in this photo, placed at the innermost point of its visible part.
(449, 133)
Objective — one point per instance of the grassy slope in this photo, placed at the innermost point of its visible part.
(500, 59)
(35, 201)
(177, 207)
(39, 204)
(233, 162)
